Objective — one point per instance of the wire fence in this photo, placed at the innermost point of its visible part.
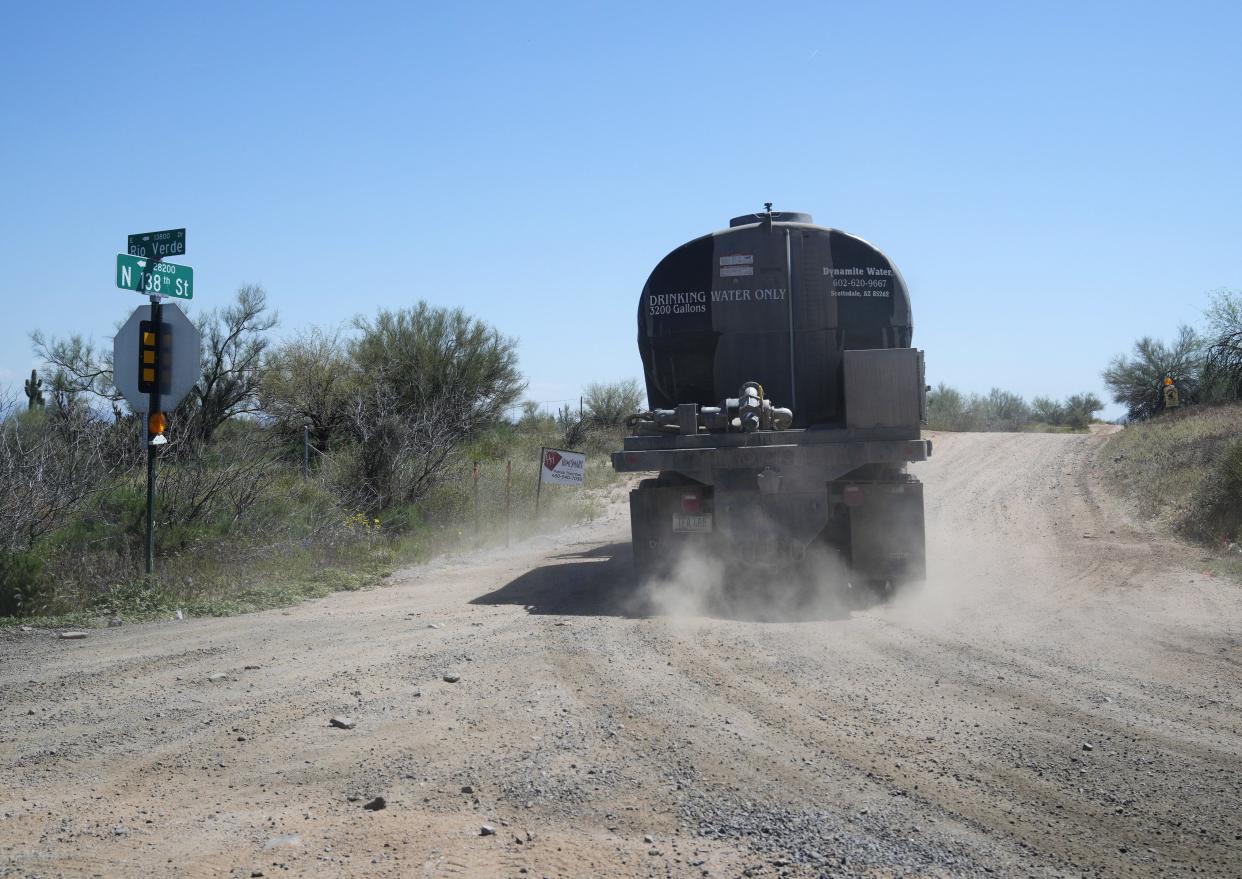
(543, 408)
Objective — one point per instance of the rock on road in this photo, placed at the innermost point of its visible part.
(1062, 699)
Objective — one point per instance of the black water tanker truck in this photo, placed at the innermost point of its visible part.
(785, 404)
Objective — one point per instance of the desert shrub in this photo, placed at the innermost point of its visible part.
(205, 487)
(608, 404)
(1002, 410)
(429, 380)
(1221, 378)
(50, 464)
(949, 409)
(573, 427)
(1047, 410)
(1079, 410)
(309, 380)
(946, 408)
(20, 584)
(1215, 514)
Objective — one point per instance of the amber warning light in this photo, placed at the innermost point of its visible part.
(156, 425)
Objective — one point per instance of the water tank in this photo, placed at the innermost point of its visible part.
(775, 299)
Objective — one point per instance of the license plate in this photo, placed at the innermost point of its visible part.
(697, 522)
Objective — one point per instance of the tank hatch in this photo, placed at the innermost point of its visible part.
(777, 217)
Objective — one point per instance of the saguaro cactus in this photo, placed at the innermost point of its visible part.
(34, 390)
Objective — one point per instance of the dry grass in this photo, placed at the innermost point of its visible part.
(1183, 471)
(265, 537)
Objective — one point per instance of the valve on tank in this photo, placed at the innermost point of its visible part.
(755, 412)
(749, 407)
(747, 412)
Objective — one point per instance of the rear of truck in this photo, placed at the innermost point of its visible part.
(804, 461)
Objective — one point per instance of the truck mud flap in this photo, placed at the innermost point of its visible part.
(887, 538)
(654, 513)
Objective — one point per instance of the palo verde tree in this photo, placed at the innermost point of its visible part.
(1003, 410)
(1047, 410)
(233, 341)
(946, 408)
(428, 379)
(76, 372)
(309, 380)
(1222, 361)
(609, 404)
(1079, 410)
(1137, 381)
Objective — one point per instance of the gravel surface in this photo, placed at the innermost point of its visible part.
(1061, 699)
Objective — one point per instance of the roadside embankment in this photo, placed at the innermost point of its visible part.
(1182, 472)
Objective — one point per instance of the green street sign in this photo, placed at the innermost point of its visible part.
(154, 278)
(170, 242)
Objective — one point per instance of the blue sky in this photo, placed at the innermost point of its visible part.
(1053, 180)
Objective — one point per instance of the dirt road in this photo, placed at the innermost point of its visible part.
(1061, 700)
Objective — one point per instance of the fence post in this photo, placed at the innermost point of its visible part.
(305, 451)
(508, 490)
(538, 481)
(476, 499)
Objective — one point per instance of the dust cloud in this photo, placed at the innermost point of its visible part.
(703, 584)
(976, 586)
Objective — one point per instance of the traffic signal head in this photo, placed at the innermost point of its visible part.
(148, 356)
(154, 357)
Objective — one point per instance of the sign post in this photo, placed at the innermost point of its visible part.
(153, 412)
(1172, 399)
(156, 354)
(559, 467)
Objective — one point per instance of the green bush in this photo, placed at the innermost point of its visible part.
(1000, 410)
(1216, 513)
(1231, 469)
(609, 404)
(401, 410)
(20, 583)
(133, 598)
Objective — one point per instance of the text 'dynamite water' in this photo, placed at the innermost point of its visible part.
(865, 282)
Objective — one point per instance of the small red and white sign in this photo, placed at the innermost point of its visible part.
(560, 467)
